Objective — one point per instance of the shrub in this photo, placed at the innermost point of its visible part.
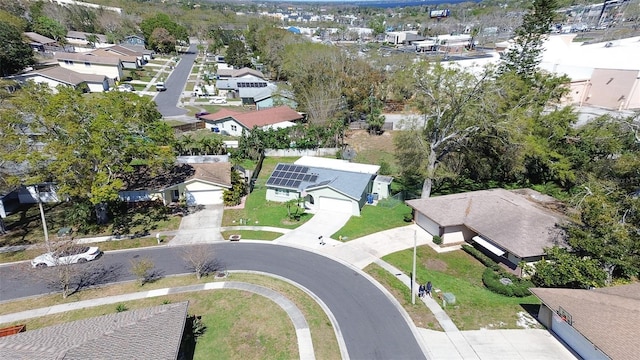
(484, 259)
(385, 168)
(437, 239)
(518, 287)
(121, 308)
(408, 217)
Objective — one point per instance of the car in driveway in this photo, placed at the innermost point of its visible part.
(70, 255)
(160, 86)
(218, 100)
(201, 113)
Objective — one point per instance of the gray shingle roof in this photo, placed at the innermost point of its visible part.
(351, 184)
(512, 219)
(149, 333)
(608, 317)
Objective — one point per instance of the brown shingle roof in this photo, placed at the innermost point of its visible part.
(149, 333)
(112, 54)
(240, 72)
(41, 39)
(258, 118)
(68, 76)
(511, 219)
(87, 58)
(216, 173)
(607, 317)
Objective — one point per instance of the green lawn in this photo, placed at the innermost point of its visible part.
(373, 219)
(252, 234)
(459, 273)
(257, 210)
(190, 85)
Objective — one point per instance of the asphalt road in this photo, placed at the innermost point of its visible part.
(168, 99)
(371, 325)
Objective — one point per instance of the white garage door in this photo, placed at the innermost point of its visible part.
(337, 205)
(429, 225)
(204, 197)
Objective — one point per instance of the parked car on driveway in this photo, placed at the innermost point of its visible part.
(160, 86)
(70, 255)
(202, 113)
(218, 100)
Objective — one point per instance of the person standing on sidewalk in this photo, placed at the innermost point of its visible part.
(428, 288)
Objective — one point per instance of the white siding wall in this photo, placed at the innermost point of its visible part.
(227, 126)
(429, 225)
(280, 196)
(111, 71)
(331, 198)
(575, 340)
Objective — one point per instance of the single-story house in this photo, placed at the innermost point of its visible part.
(146, 53)
(234, 122)
(224, 73)
(80, 38)
(149, 333)
(270, 96)
(197, 184)
(509, 226)
(91, 64)
(131, 62)
(402, 37)
(133, 40)
(233, 85)
(11, 199)
(57, 75)
(331, 184)
(599, 323)
(38, 42)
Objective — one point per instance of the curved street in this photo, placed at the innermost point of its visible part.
(371, 324)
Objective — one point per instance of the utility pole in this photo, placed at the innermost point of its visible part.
(44, 221)
(413, 272)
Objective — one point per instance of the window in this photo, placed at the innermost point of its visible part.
(68, 62)
(234, 128)
(282, 192)
(87, 64)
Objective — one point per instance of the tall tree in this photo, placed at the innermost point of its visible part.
(15, 53)
(89, 143)
(524, 57)
(237, 55)
(162, 41)
(163, 21)
(452, 109)
(49, 27)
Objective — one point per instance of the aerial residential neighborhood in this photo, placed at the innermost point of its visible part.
(380, 180)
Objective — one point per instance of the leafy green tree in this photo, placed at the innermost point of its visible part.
(89, 143)
(15, 53)
(238, 189)
(524, 57)
(560, 268)
(452, 110)
(237, 55)
(8, 18)
(92, 39)
(82, 18)
(163, 21)
(377, 25)
(49, 27)
(162, 41)
(375, 119)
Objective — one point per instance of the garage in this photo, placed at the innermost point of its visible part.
(333, 204)
(429, 225)
(204, 197)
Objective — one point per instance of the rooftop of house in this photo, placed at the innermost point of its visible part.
(216, 173)
(103, 60)
(40, 39)
(607, 317)
(234, 73)
(523, 222)
(149, 333)
(83, 36)
(66, 76)
(351, 184)
(337, 164)
(258, 118)
(105, 52)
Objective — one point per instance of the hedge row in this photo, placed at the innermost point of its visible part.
(493, 273)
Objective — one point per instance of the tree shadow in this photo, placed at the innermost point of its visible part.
(95, 275)
(153, 276)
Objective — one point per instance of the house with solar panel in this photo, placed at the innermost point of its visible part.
(328, 184)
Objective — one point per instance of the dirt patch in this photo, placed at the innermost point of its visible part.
(435, 264)
(361, 140)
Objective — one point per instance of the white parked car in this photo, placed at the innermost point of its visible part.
(71, 255)
(125, 88)
(218, 100)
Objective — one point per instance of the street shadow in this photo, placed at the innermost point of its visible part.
(95, 275)
(153, 276)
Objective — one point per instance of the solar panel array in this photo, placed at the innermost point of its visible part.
(290, 176)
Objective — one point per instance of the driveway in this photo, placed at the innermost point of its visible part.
(323, 223)
(168, 99)
(201, 226)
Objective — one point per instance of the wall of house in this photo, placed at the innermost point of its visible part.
(336, 201)
(38, 79)
(576, 341)
(111, 71)
(95, 87)
(427, 224)
(281, 196)
(230, 126)
(456, 234)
